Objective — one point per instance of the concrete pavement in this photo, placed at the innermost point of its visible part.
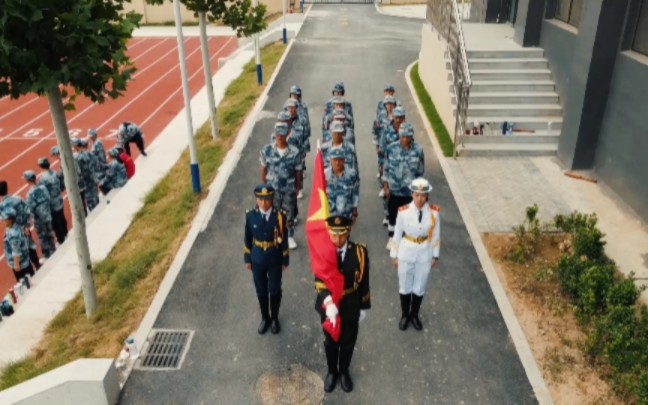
(464, 354)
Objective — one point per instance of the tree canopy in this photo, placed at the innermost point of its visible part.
(79, 44)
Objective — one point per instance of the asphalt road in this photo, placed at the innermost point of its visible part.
(464, 355)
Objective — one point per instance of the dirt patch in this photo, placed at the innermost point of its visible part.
(549, 325)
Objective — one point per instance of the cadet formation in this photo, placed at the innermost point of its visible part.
(413, 224)
(43, 209)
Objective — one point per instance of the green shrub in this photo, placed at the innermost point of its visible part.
(593, 287)
(624, 293)
(570, 269)
(587, 239)
(527, 236)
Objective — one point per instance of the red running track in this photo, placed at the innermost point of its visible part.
(153, 99)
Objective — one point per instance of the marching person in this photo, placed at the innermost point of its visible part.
(98, 149)
(388, 91)
(21, 218)
(128, 133)
(266, 254)
(281, 166)
(296, 94)
(342, 186)
(86, 176)
(353, 262)
(338, 141)
(39, 203)
(16, 245)
(415, 250)
(339, 91)
(404, 162)
(52, 180)
(298, 127)
(116, 175)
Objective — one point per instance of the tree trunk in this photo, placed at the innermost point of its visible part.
(208, 74)
(74, 196)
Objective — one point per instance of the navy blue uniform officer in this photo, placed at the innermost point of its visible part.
(266, 254)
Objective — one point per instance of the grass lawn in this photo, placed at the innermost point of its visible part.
(128, 278)
(433, 117)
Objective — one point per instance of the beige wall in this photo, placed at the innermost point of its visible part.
(434, 75)
(164, 13)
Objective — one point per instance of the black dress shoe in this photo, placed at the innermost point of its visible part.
(345, 382)
(263, 326)
(404, 322)
(274, 326)
(330, 382)
(416, 323)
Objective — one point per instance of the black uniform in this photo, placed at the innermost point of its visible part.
(357, 296)
(266, 249)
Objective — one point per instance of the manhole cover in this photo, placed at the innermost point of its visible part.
(165, 349)
(290, 385)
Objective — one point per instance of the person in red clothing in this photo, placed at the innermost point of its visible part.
(128, 163)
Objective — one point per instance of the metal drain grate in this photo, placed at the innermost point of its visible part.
(166, 349)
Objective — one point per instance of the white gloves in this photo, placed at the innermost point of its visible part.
(331, 309)
(363, 314)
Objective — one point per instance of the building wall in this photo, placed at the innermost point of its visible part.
(559, 42)
(163, 14)
(623, 142)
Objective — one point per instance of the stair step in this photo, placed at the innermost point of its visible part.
(528, 123)
(505, 54)
(514, 110)
(507, 150)
(511, 98)
(512, 86)
(517, 137)
(510, 74)
(513, 63)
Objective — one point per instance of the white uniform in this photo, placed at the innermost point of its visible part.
(415, 245)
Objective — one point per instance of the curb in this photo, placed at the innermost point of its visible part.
(533, 372)
(380, 11)
(205, 210)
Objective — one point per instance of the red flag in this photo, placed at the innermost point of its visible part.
(323, 253)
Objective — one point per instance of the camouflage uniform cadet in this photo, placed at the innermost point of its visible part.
(98, 149)
(388, 91)
(115, 173)
(81, 164)
(338, 90)
(339, 115)
(383, 119)
(39, 203)
(57, 154)
(283, 169)
(296, 94)
(337, 103)
(405, 162)
(22, 218)
(348, 149)
(342, 187)
(50, 179)
(298, 126)
(128, 133)
(92, 176)
(16, 244)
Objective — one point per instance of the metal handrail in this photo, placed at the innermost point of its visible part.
(444, 17)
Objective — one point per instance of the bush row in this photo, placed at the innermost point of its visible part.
(606, 305)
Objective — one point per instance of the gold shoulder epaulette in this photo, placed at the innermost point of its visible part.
(403, 207)
(435, 207)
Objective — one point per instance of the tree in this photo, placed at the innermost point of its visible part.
(240, 15)
(63, 48)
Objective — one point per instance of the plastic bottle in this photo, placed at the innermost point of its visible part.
(132, 348)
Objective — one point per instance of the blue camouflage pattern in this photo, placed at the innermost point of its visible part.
(402, 166)
(99, 152)
(282, 169)
(343, 192)
(52, 181)
(18, 205)
(115, 175)
(38, 201)
(350, 156)
(16, 243)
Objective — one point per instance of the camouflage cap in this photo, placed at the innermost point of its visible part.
(399, 112)
(337, 153)
(406, 129)
(390, 100)
(83, 143)
(389, 87)
(44, 163)
(281, 129)
(296, 90)
(29, 175)
(92, 133)
(55, 151)
(336, 126)
(114, 152)
(283, 116)
(339, 86)
(291, 102)
(75, 141)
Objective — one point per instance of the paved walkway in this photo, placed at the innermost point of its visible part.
(464, 355)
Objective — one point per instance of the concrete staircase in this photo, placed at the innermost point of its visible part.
(512, 86)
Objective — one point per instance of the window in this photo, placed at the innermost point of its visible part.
(569, 11)
(640, 41)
